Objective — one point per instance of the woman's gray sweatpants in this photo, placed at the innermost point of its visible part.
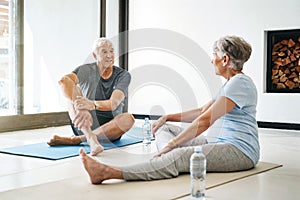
(220, 157)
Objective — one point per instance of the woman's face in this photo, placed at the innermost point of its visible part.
(218, 63)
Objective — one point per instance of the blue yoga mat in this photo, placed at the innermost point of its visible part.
(43, 150)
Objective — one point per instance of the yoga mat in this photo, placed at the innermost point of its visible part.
(80, 188)
(43, 150)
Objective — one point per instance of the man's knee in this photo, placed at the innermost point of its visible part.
(129, 119)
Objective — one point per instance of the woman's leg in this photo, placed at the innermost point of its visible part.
(97, 171)
(166, 166)
(220, 158)
(223, 157)
(169, 131)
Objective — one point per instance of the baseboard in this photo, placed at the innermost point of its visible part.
(279, 125)
(275, 125)
(143, 116)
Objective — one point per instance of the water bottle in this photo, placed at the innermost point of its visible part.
(147, 133)
(198, 173)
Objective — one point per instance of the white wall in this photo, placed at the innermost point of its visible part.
(203, 22)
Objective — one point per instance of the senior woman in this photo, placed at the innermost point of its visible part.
(231, 142)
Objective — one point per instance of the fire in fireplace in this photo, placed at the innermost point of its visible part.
(283, 61)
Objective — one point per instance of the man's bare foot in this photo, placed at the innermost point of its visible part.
(58, 140)
(95, 146)
(97, 171)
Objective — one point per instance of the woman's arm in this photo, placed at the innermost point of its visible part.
(219, 108)
(187, 116)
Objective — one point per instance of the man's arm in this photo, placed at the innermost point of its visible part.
(69, 87)
(104, 105)
(111, 104)
(80, 117)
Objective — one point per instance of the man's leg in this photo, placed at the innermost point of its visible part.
(111, 131)
(57, 140)
(115, 128)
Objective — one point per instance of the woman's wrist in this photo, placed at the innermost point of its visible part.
(165, 118)
(172, 143)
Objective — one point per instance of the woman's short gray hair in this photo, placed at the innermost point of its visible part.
(99, 43)
(236, 48)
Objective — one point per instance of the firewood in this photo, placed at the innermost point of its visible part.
(277, 46)
(286, 61)
(285, 42)
(285, 55)
(276, 67)
(291, 43)
(287, 71)
(275, 81)
(278, 62)
(293, 58)
(289, 84)
(280, 86)
(293, 75)
(274, 72)
(283, 78)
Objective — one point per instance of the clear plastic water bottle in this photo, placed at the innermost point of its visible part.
(198, 173)
(147, 133)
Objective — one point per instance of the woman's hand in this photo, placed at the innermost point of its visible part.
(82, 103)
(166, 149)
(157, 124)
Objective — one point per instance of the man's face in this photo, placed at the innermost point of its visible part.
(106, 55)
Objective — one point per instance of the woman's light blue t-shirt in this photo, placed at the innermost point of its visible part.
(239, 126)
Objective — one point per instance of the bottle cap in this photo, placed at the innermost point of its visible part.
(198, 149)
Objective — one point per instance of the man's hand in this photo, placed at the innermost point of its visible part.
(82, 103)
(82, 119)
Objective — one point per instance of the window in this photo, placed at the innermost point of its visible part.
(40, 41)
(4, 58)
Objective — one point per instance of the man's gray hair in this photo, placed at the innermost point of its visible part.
(236, 48)
(99, 43)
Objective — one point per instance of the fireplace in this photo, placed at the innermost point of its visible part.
(283, 61)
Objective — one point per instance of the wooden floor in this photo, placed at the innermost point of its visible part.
(277, 146)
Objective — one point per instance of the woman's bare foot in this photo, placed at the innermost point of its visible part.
(58, 140)
(97, 171)
(95, 146)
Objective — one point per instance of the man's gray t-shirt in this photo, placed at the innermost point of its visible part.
(94, 87)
